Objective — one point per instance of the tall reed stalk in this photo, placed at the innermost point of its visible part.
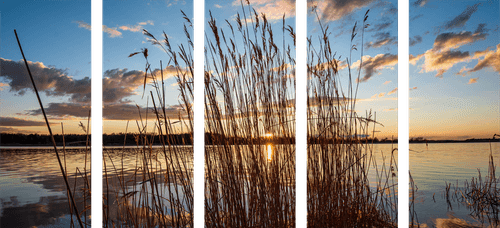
(86, 191)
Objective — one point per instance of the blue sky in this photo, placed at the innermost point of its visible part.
(454, 97)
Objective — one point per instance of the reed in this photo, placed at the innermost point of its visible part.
(249, 94)
(481, 195)
(250, 129)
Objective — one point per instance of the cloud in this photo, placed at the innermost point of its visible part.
(383, 38)
(217, 6)
(332, 10)
(393, 91)
(414, 59)
(420, 3)
(416, 17)
(135, 28)
(329, 10)
(131, 112)
(380, 26)
(472, 81)
(481, 28)
(53, 81)
(389, 8)
(372, 65)
(390, 109)
(491, 59)
(18, 122)
(378, 95)
(118, 111)
(319, 68)
(464, 71)
(392, 10)
(387, 82)
(441, 57)
(82, 24)
(3, 85)
(147, 22)
(415, 40)
(118, 84)
(121, 83)
(447, 41)
(11, 130)
(63, 110)
(442, 61)
(273, 10)
(460, 20)
(414, 88)
(112, 32)
(132, 28)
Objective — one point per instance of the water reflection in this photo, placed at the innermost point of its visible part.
(269, 152)
(32, 190)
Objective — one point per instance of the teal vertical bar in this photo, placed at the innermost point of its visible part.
(96, 113)
(300, 98)
(198, 114)
(403, 111)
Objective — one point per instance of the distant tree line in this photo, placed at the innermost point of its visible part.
(130, 139)
(119, 139)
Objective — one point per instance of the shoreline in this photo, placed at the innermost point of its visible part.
(49, 146)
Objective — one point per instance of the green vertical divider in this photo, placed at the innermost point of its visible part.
(198, 114)
(300, 98)
(403, 112)
(96, 113)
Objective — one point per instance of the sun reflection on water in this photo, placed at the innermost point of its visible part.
(269, 151)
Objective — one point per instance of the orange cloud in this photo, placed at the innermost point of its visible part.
(491, 59)
(136, 28)
(2, 85)
(472, 80)
(332, 10)
(112, 32)
(378, 95)
(382, 39)
(273, 9)
(442, 56)
(464, 71)
(393, 91)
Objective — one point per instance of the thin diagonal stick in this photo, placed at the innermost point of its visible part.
(50, 132)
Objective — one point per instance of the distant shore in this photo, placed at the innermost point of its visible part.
(34, 140)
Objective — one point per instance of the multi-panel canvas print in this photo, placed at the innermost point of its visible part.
(270, 130)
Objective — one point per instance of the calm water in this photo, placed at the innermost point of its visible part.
(438, 163)
(32, 192)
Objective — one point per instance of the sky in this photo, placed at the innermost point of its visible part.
(58, 52)
(454, 83)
